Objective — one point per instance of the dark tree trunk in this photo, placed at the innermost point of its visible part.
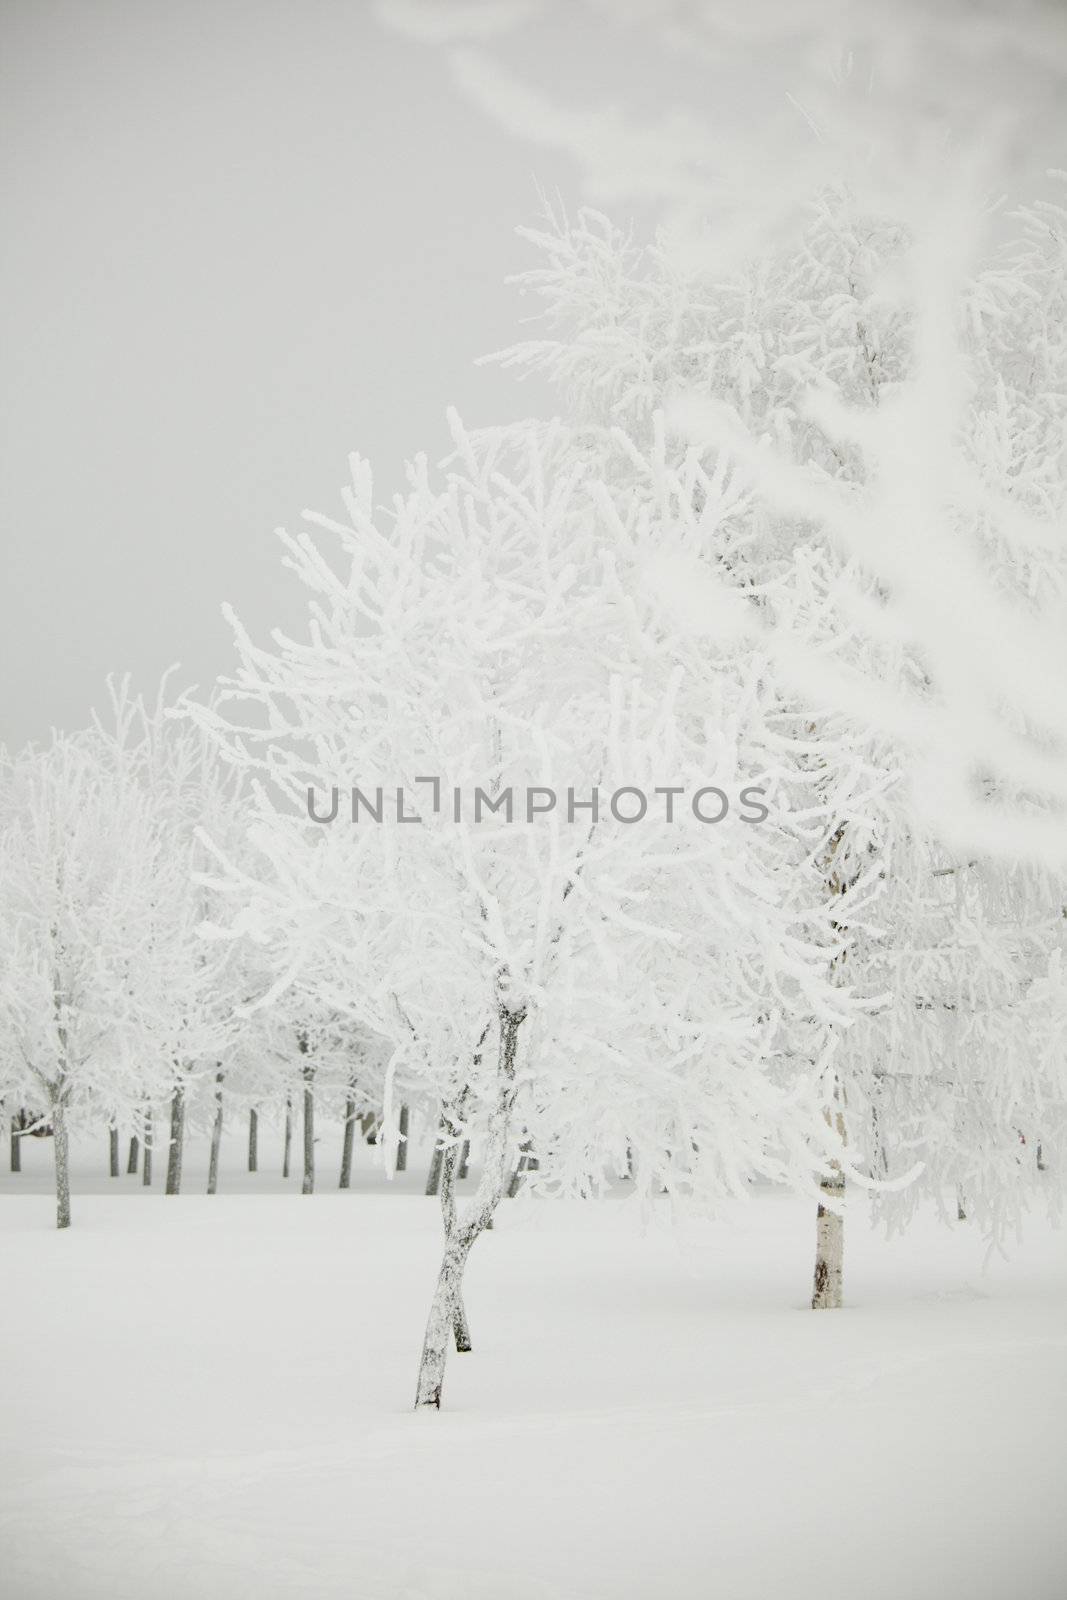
(527, 1162)
(308, 1185)
(177, 1141)
(113, 1152)
(216, 1139)
(433, 1177)
(16, 1143)
(146, 1163)
(464, 1157)
(369, 1125)
(349, 1141)
(131, 1160)
(288, 1146)
(253, 1140)
(402, 1141)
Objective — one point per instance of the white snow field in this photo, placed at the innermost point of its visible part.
(209, 1398)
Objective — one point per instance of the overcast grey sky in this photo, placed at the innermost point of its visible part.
(241, 241)
(243, 238)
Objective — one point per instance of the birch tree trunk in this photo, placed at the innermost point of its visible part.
(460, 1326)
(253, 1140)
(177, 1140)
(308, 1185)
(829, 1247)
(288, 1146)
(113, 1152)
(132, 1158)
(146, 1164)
(349, 1142)
(828, 1285)
(16, 1144)
(447, 1302)
(828, 1281)
(59, 1134)
(402, 1141)
(216, 1139)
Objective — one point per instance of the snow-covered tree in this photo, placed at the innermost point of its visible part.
(899, 107)
(803, 338)
(591, 980)
(84, 872)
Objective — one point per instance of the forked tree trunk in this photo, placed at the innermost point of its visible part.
(253, 1140)
(308, 1185)
(177, 1140)
(961, 1206)
(402, 1141)
(216, 1140)
(146, 1163)
(288, 1145)
(446, 1308)
(113, 1152)
(16, 1143)
(132, 1158)
(59, 1134)
(347, 1145)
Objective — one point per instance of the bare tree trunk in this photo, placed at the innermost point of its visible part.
(369, 1124)
(113, 1152)
(131, 1160)
(308, 1185)
(349, 1141)
(16, 1143)
(177, 1140)
(287, 1148)
(460, 1326)
(829, 1247)
(433, 1177)
(253, 1140)
(527, 1162)
(59, 1134)
(402, 1141)
(146, 1164)
(828, 1281)
(447, 1303)
(961, 1206)
(464, 1157)
(216, 1139)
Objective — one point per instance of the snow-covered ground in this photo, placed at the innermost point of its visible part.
(209, 1398)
